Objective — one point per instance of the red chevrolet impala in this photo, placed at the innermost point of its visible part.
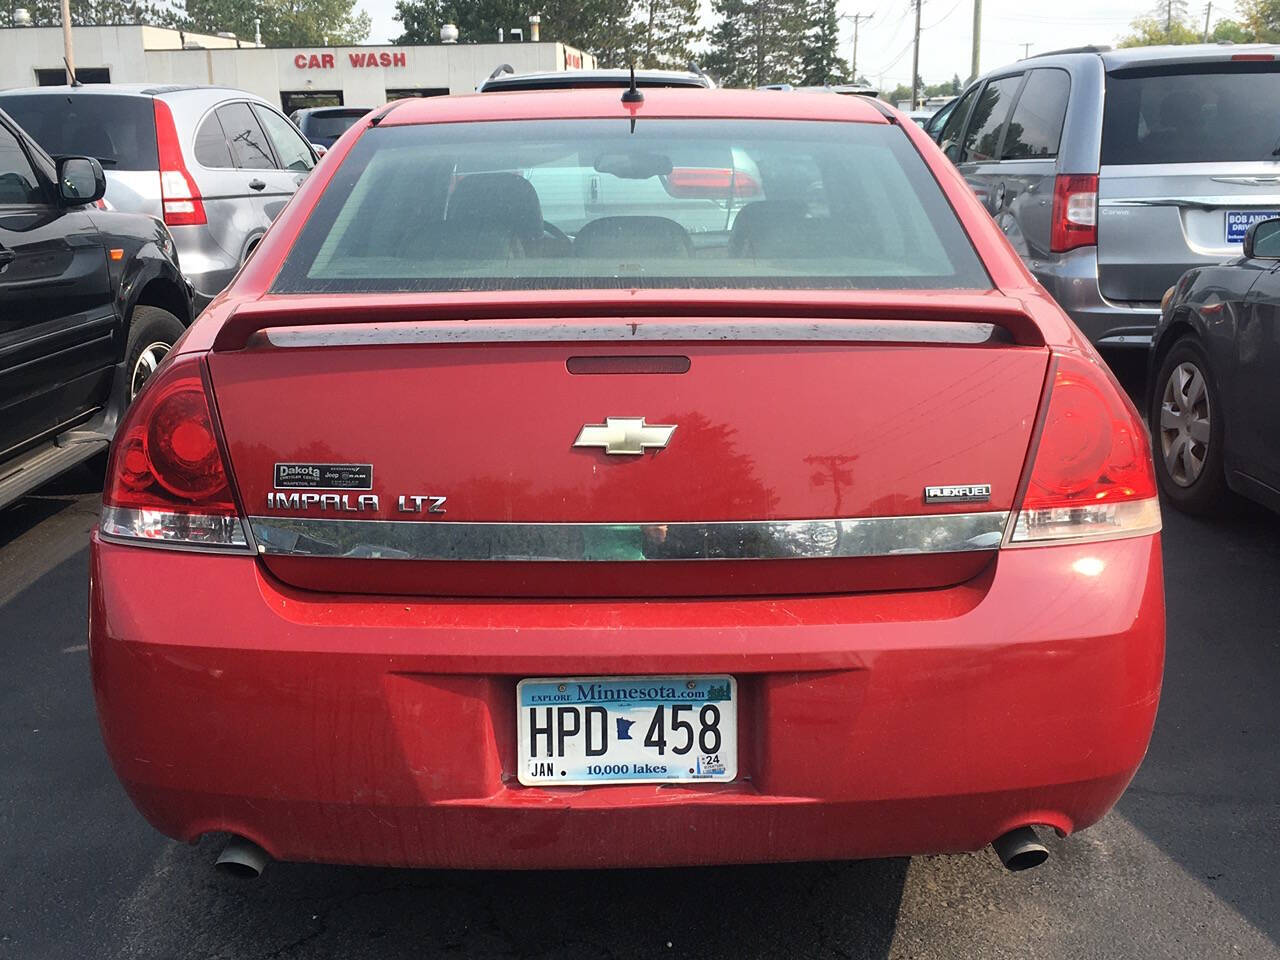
(576, 481)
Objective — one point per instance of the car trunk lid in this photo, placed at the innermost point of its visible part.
(472, 457)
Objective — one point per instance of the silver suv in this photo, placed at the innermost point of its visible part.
(1113, 171)
(216, 165)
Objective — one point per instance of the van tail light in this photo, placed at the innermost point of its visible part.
(1091, 475)
(1075, 212)
(179, 197)
(167, 480)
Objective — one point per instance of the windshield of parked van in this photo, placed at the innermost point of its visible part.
(118, 131)
(592, 203)
(1197, 113)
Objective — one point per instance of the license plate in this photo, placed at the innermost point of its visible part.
(592, 730)
(1239, 222)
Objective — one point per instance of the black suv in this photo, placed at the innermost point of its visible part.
(90, 303)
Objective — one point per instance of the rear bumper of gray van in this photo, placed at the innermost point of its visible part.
(203, 262)
(1072, 279)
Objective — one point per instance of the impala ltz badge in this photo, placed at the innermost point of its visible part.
(625, 435)
(958, 493)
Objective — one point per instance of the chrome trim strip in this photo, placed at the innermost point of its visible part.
(1237, 202)
(586, 542)
(557, 331)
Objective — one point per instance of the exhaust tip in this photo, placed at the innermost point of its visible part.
(1020, 849)
(242, 859)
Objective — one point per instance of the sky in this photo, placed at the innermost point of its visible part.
(884, 41)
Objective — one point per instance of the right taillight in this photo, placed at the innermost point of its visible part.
(180, 199)
(167, 480)
(1091, 474)
(1075, 212)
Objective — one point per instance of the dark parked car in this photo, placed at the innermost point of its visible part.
(90, 303)
(322, 126)
(1215, 401)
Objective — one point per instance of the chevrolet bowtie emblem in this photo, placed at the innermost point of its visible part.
(630, 435)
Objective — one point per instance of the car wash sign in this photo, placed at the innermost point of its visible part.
(359, 59)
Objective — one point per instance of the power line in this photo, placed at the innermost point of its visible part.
(941, 19)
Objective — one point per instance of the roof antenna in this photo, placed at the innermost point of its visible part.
(632, 94)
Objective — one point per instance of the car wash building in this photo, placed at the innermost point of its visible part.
(363, 76)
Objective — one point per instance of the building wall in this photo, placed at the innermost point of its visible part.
(363, 74)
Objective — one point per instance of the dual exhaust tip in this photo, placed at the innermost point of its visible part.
(242, 859)
(1018, 849)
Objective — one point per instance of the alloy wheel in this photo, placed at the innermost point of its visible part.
(146, 364)
(1184, 424)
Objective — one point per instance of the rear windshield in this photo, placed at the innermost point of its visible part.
(591, 203)
(331, 124)
(1199, 113)
(118, 131)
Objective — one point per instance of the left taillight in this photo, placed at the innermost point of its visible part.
(1075, 212)
(167, 480)
(1091, 474)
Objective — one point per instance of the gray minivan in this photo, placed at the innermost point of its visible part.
(215, 164)
(1113, 171)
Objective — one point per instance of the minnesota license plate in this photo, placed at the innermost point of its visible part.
(592, 730)
(1239, 222)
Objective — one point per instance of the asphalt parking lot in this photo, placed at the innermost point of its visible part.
(1186, 866)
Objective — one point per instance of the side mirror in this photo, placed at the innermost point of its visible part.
(320, 149)
(80, 181)
(1262, 241)
(952, 150)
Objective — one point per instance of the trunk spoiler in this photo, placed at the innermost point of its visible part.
(642, 314)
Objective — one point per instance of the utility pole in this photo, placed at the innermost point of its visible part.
(915, 60)
(1207, 10)
(856, 18)
(1026, 50)
(67, 53)
(977, 39)
(1168, 17)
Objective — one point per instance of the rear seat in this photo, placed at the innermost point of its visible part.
(641, 238)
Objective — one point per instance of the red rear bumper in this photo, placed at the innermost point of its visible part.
(382, 731)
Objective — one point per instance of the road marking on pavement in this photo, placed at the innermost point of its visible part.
(77, 648)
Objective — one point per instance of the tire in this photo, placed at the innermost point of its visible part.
(1187, 431)
(152, 333)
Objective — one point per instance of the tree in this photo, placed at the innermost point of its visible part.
(48, 13)
(1231, 31)
(1260, 20)
(605, 28)
(821, 61)
(478, 21)
(284, 23)
(668, 33)
(755, 42)
(899, 94)
(1150, 31)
